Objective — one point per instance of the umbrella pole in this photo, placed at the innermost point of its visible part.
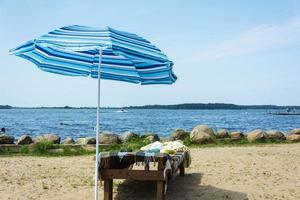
(97, 127)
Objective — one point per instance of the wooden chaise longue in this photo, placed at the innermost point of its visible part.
(120, 166)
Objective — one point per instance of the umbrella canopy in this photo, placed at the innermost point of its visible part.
(86, 51)
(74, 51)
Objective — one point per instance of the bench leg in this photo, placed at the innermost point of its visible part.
(108, 189)
(147, 167)
(160, 195)
(182, 171)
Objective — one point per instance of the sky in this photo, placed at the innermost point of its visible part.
(242, 52)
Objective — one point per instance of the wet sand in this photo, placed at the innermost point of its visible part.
(237, 173)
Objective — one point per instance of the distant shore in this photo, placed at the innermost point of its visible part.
(183, 106)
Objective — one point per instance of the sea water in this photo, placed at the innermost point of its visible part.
(81, 122)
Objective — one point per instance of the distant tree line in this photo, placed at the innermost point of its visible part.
(211, 106)
(191, 106)
(5, 107)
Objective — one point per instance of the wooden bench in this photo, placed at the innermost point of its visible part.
(119, 166)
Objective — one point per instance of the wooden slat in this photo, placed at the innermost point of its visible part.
(160, 191)
(182, 170)
(108, 189)
(147, 168)
(141, 175)
(161, 165)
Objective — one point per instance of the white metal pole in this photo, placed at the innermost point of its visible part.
(98, 127)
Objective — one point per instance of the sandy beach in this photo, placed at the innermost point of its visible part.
(237, 173)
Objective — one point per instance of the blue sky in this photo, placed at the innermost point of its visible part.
(243, 52)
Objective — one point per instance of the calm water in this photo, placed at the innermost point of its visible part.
(81, 122)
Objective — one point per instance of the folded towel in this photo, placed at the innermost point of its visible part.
(154, 147)
(169, 148)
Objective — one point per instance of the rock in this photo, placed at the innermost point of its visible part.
(87, 140)
(154, 137)
(6, 139)
(204, 128)
(273, 134)
(25, 139)
(58, 150)
(89, 147)
(179, 134)
(55, 139)
(295, 131)
(222, 133)
(165, 139)
(201, 134)
(293, 138)
(69, 140)
(256, 135)
(108, 138)
(151, 138)
(128, 136)
(236, 135)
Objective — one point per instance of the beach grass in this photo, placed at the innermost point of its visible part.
(46, 148)
(227, 142)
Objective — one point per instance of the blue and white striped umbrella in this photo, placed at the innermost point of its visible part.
(86, 51)
(74, 51)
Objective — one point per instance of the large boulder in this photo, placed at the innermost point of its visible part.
(87, 140)
(128, 136)
(236, 135)
(179, 134)
(295, 131)
(55, 139)
(293, 138)
(201, 134)
(222, 133)
(25, 139)
(69, 140)
(256, 135)
(108, 138)
(273, 134)
(6, 139)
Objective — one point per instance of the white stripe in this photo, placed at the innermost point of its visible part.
(152, 69)
(114, 57)
(84, 32)
(155, 77)
(119, 66)
(73, 52)
(118, 74)
(51, 35)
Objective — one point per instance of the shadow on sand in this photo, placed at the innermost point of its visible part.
(180, 188)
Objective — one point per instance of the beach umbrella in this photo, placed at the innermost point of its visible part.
(87, 51)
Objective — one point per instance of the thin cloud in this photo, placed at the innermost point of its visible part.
(261, 38)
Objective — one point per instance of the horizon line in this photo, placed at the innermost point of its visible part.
(129, 106)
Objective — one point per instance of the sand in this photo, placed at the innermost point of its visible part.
(252, 172)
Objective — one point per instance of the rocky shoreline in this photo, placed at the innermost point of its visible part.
(201, 134)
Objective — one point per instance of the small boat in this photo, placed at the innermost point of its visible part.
(288, 111)
(283, 113)
(122, 111)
